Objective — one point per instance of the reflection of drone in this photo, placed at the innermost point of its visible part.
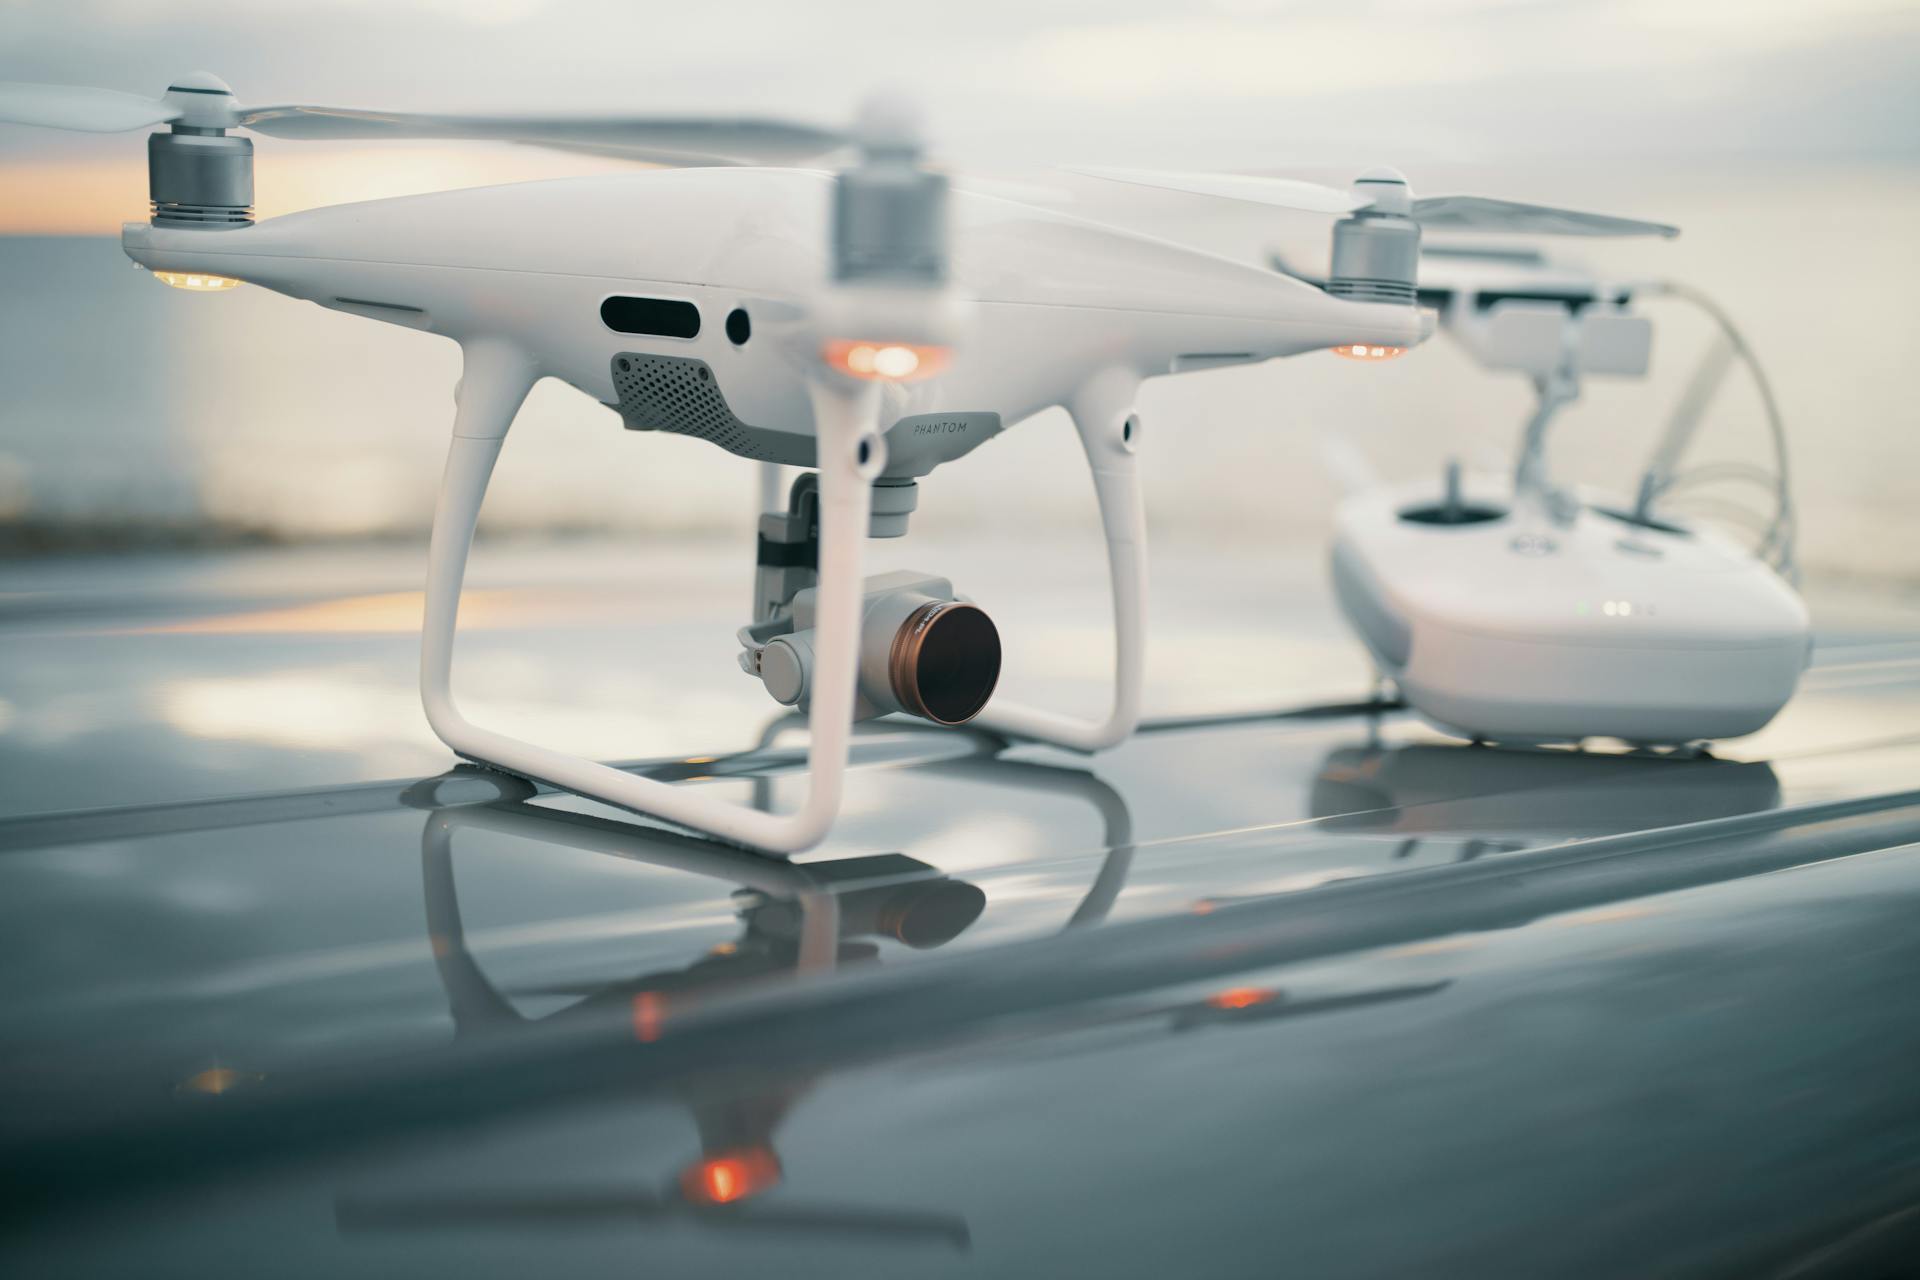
(985, 764)
(795, 919)
(789, 316)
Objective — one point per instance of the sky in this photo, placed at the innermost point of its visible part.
(1243, 84)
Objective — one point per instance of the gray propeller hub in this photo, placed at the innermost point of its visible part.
(889, 213)
(889, 224)
(204, 101)
(198, 175)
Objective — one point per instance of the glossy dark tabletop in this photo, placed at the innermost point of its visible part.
(1286, 985)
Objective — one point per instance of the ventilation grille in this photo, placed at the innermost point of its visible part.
(1361, 289)
(170, 213)
(678, 394)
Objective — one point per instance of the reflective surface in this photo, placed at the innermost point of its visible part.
(1316, 992)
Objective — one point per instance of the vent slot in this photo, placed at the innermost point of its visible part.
(380, 306)
(654, 317)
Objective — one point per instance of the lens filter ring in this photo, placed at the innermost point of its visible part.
(945, 661)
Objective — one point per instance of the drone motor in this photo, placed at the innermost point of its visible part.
(1376, 249)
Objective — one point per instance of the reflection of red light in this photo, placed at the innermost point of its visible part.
(731, 1175)
(649, 1011)
(1239, 997)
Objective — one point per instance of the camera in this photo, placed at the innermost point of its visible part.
(924, 651)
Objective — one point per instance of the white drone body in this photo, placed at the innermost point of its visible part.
(1506, 610)
(866, 322)
(1058, 303)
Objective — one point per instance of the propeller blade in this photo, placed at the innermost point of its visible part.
(1481, 213)
(1281, 193)
(68, 106)
(673, 139)
(639, 155)
(1462, 213)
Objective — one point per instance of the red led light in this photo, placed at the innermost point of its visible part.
(885, 361)
(649, 1011)
(1239, 997)
(730, 1176)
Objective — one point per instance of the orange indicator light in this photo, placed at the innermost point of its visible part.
(196, 281)
(215, 1081)
(649, 1011)
(1240, 997)
(731, 1176)
(885, 361)
(1368, 351)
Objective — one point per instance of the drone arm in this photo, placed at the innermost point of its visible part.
(497, 379)
(1103, 415)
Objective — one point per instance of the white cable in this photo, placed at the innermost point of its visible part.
(1778, 544)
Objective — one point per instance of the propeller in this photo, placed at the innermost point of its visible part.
(205, 101)
(1482, 213)
(63, 106)
(1376, 247)
(887, 311)
(1282, 193)
(1385, 191)
(683, 140)
(198, 175)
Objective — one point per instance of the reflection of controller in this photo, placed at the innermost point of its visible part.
(1543, 620)
(1481, 802)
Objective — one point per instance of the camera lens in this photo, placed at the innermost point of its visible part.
(945, 661)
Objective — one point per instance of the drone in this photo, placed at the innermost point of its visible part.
(808, 296)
